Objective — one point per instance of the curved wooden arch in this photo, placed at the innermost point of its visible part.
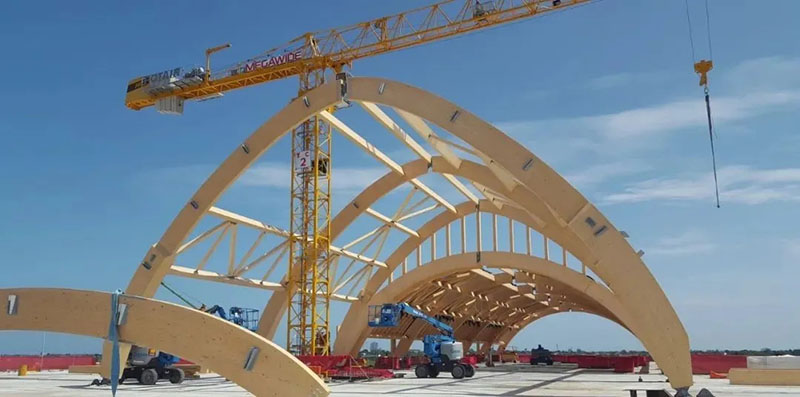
(276, 305)
(359, 331)
(472, 171)
(563, 212)
(487, 332)
(196, 336)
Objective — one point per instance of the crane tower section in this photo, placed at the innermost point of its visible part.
(308, 331)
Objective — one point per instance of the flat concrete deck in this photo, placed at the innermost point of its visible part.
(569, 382)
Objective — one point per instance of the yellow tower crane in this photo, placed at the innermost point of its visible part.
(309, 57)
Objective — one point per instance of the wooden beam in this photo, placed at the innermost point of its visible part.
(243, 220)
(358, 257)
(395, 129)
(390, 222)
(398, 132)
(362, 143)
(510, 235)
(206, 275)
(424, 130)
(200, 237)
(447, 246)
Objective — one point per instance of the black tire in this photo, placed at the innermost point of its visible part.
(458, 371)
(549, 362)
(433, 371)
(122, 380)
(470, 371)
(148, 377)
(176, 376)
(421, 371)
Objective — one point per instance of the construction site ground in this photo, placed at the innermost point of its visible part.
(508, 380)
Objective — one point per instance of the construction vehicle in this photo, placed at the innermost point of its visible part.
(509, 357)
(442, 350)
(541, 355)
(243, 317)
(149, 365)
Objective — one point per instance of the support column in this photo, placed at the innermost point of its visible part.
(402, 347)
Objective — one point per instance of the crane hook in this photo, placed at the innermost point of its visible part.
(702, 68)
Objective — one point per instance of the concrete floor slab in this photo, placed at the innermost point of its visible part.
(573, 383)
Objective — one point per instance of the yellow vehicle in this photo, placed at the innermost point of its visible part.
(509, 357)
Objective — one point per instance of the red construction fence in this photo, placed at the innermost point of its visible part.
(343, 366)
(620, 364)
(48, 362)
(703, 364)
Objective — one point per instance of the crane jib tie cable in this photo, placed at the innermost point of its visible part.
(113, 336)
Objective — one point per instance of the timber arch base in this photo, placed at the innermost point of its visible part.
(196, 336)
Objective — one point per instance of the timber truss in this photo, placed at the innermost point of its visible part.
(513, 242)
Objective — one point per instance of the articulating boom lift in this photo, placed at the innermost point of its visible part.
(442, 349)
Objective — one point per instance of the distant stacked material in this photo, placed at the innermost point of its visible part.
(773, 362)
(768, 370)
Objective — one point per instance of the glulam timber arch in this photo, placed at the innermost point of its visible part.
(200, 337)
(596, 299)
(510, 176)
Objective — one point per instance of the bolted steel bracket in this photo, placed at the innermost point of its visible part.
(13, 304)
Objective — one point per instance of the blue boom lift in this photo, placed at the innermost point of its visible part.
(442, 349)
(149, 365)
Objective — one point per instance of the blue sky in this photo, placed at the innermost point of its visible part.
(604, 93)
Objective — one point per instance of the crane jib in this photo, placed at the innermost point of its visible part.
(337, 48)
(160, 76)
(272, 61)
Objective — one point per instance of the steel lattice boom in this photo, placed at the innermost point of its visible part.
(337, 47)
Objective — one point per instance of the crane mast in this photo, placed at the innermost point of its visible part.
(308, 330)
(310, 57)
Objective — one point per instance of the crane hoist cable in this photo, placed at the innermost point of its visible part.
(702, 68)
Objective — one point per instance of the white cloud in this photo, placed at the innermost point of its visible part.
(632, 124)
(791, 249)
(625, 78)
(278, 175)
(750, 89)
(599, 173)
(687, 243)
(760, 74)
(738, 184)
